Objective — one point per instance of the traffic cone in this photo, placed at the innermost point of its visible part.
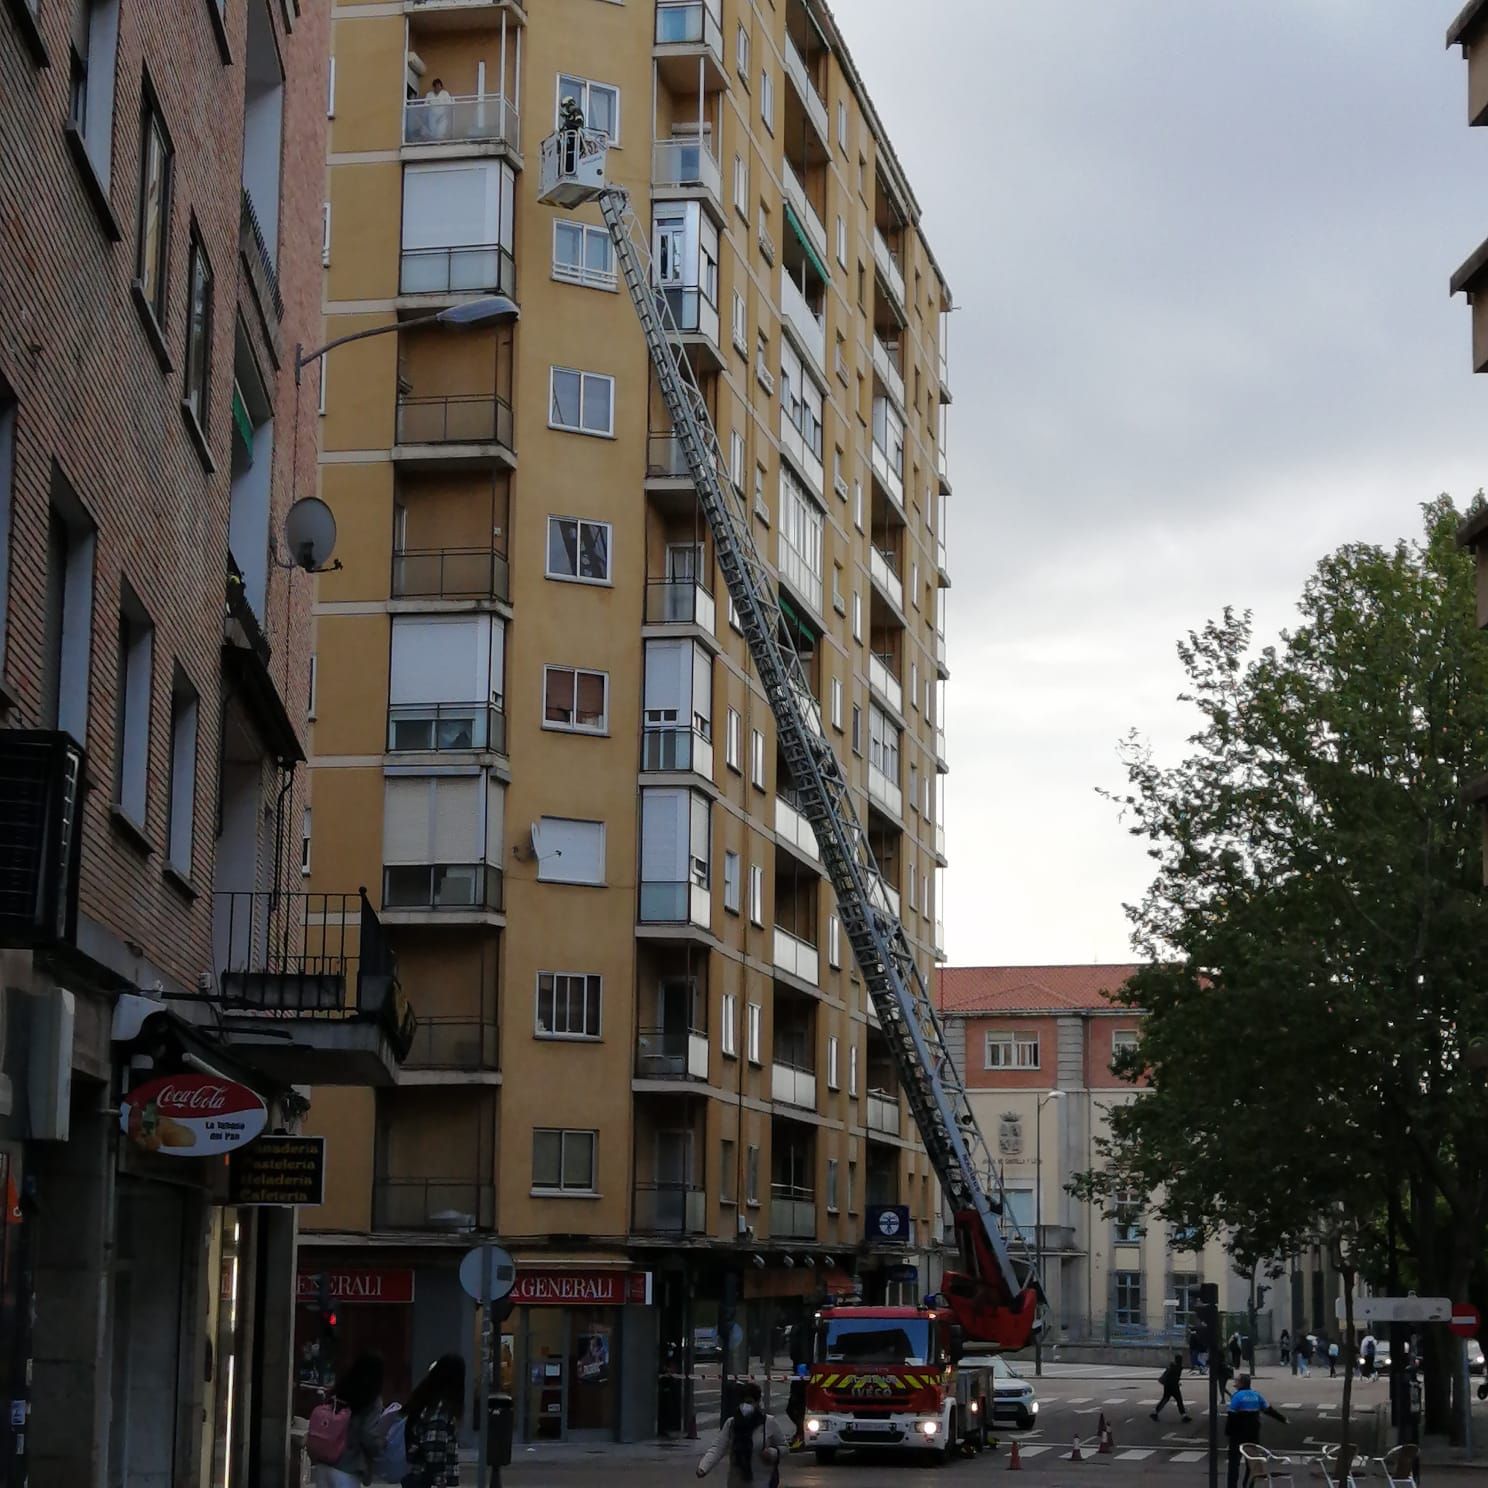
(1074, 1455)
(1107, 1441)
(1015, 1462)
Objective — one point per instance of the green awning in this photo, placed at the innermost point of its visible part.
(802, 628)
(241, 422)
(805, 242)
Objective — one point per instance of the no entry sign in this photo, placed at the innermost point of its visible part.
(1465, 1320)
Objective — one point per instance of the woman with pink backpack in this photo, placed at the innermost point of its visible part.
(346, 1433)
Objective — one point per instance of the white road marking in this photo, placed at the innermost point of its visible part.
(1135, 1454)
(1187, 1457)
(1033, 1451)
(1119, 1400)
(1079, 1400)
(1292, 1405)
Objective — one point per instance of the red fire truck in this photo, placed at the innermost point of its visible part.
(887, 1377)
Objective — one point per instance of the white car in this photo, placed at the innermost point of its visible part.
(1013, 1400)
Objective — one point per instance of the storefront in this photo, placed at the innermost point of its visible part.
(345, 1310)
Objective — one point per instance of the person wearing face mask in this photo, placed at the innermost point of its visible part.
(750, 1442)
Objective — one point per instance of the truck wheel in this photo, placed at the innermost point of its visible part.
(826, 1456)
(951, 1447)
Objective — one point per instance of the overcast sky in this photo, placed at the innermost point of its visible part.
(1201, 250)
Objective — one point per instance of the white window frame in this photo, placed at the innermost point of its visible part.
(832, 1171)
(834, 1081)
(1008, 1049)
(914, 684)
(842, 122)
(602, 727)
(841, 241)
(852, 1069)
(858, 505)
(331, 90)
(767, 100)
(579, 524)
(1122, 1040)
(754, 1037)
(603, 847)
(837, 703)
(751, 1176)
(731, 876)
(325, 240)
(733, 742)
(857, 615)
(741, 52)
(741, 186)
(741, 335)
(581, 274)
(757, 758)
(585, 379)
(834, 941)
(589, 84)
(564, 1186)
(313, 681)
(728, 1030)
(756, 895)
(736, 458)
(133, 709)
(564, 980)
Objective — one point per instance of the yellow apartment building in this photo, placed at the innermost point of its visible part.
(644, 1060)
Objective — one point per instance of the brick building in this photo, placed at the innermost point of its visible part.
(160, 240)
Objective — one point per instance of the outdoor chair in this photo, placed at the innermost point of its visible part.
(1264, 1466)
(1343, 1473)
(1399, 1465)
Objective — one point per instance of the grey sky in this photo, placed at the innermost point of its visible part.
(1202, 249)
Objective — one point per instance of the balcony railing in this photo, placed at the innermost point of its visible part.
(792, 1084)
(260, 264)
(798, 957)
(466, 269)
(676, 902)
(884, 894)
(797, 71)
(887, 262)
(940, 845)
(888, 466)
(689, 23)
(440, 886)
(809, 325)
(665, 458)
(881, 677)
(679, 602)
(883, 1112)
(884, 791)
(677, 747)
(670, 1209)
(446, 1205)
(795, 194)
(886, 364)
(940, 647)
(456, 418)
(693, 312)
(801, 438)
(799, 574)
(940, 742)
(792, 1212)
(791, 825)
(685, 165)
(809, 704)
(451, 573)
(940, 939)
(883, 568)
(436, 727)
(464, 119)
(672, 1054)
(454, 1044)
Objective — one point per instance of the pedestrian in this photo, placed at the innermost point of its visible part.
(1171, 1380)
(1226, 1374)
(750, 1441)
(795, 1407)
(1243, 1422)
(1285, 1342)
(1304, 1355)
(359, 1429)
(431, 1434)
(1235, 1350)
(1194, 1341)
(1333, 1359)
(1367, 1351)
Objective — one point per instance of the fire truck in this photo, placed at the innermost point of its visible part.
(888, 1377)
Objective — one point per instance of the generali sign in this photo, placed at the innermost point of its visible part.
(192, 1115)
(581, 1288)
(358, 1284)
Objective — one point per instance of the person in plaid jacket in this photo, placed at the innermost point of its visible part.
(432, 1433)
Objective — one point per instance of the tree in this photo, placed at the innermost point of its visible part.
(1317, 931)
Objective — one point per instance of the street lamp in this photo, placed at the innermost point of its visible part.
(1038, 1211)
(484, 311)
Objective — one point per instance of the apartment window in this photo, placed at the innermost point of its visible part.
(581, 402)
(729, 1032)
(569, 851)
(598, 102)
(914, 582)
(754, 1032)
(914, 684)
(736, 452)
(857, 614)
(1127, 1216)
(852, 1070)
(841, 242)
(757, 758)
(579, 549)
(1123, 1041)
(741, 186)
(583, 254)
(914, 902)
(1007, 1050)
(95, 41)
(325, 261)
(883, 744)
(132, 707)
(756, 894)
(330, 80)
(732, 742)
(181, 819)
(858, 505)
(831, 1185)
(67, 625)
(199, 336)
(852, 1187)
(305, 842)
(862, 286)
(767, 100)
(842, 122)
(7, 486)
(1184, 1289)
(839, 599)
(156, 161)
(751, 1176)
(731, 882)
(741, 51)
(914, 781)
(733, 616)
(568, 1004)
(839, 358)
(1128, 1288)
(576, 700)
(741, 341)
(563, 1161)
(728, 1172)
(833, 1080)
(857, 730)
(837, 703)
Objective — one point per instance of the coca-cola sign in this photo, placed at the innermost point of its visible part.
(192, 1115)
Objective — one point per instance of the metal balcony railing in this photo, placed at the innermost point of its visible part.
(677, 747)
(463, 119)
(440, 886)
(451, 573)
(435, 727)
(679, 602)
(800, 74)
(261, 265)
(670, 1209)
(454, 1044)
(792, 1212)
(664, 457)
(689, 23)
(449, 1205)
(792, 1084)
(455, 418)
(887, 262)
(795, 194)
(685, 164)
(881, 677)
(676, 902)
(883, 1112)
(672, 1054)
(466, 269)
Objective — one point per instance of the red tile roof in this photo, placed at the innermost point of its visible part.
(1028, 989)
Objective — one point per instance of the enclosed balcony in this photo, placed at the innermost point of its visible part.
(451, 573)
(676, 861)
(888, 451)
(801, 403)
(668, 1191)
(684, 167)
(792, 1181)
(684, 264)
(689, 46)
(454, 979)
(799, 543)
(441, 887)
(446, 679)
(454, 411)
(797, 890)
(445, 123)
(457, 230)
(677, 723)
(884, 790)
(446, 727)
(435, 1160)
(442, 841)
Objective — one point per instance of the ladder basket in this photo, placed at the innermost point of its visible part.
(571, 167)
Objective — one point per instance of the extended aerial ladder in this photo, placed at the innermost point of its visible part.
(996, 1295)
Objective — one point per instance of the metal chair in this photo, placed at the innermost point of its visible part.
(1263, 1465)
(1399, 1465)
(1343, 1473)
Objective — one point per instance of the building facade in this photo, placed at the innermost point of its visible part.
(159, 260)
(644, 1060)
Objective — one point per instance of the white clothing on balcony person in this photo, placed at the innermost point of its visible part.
(441, 107)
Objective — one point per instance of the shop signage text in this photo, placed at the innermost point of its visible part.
(192, 1115)
(383, 1284)
(581, 1288)
(278, 1170)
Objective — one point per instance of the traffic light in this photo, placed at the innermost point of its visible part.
(327, 1311)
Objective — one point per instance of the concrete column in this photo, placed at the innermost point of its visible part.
(274, 1346)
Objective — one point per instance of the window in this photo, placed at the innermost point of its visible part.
(579, 549)
(852, 1187)
(833, 1080)
(445, 682)
(569, 851)
(731, 882)
(914, 902)
(199, 335)
(831, 1185)
(800, 548)
(563, 1161)
(914, 684)
(757, 758)
(842, 122)
(1184, 1289)
(1011, 1051)
(729, 1029)
(914, 794)
(67, 626)
(1127, 1216)
(728, 1172)
(132, 707)
(751, 1176)
(755, 1032)
(732, 744)
(181, 819)
(741, 51)
(857, 615)
(883, 744)
(1128, 1290)
(7, 486)
(767, 100)
(582, 402)
(305, 842)
(858, 505)
(757, 894)
(736, 444)
(576, 700)
(852, 1070)
(154, 208)
(733, 616)
(1185, 1237)
(325, 260)
(1123, 1041)
(598, 102)
(583, 254)
(741, 186)
(741, 344)
(95, 40)
(837, 703)
(568, 1004)
(857, 730)
(330, 82)
(834, 941)
(841, 242)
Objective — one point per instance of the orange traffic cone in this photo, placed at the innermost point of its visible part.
(1074, 1455)
(1015, 1462)
(1107, 1440)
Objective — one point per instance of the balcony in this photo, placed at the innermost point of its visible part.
(883, 569)
(458, 15)
(883, 1112)
(800, 75)
(792, 1085)
(695, 316)
(677, 747)
(665, 459)
(883, 681)
(792, 1212)
(670, 1209)
(450, 1206)
(808, 327)
(671, 1054)
(940, 655)
(679, 602)
(888, 466)
(261, 273)
(471, 268)
(450, 573)
(886, 366)
(687, 168)
(884, 792)
(689, 33)
(436, 728)
(306, 985)
(793, 828)
(677, 902)
(942, 470)
(940, 750)
(41, 837)
(475, 119)
(883, 893)
(454, 1044)
(800, 204)
(940, 843)
(940, 940)
(886, 261)
(440, 887)
(808, 704)
(454, 429)
(796, 957)
(801, 438)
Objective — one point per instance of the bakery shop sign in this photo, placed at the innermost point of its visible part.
(192, 1115)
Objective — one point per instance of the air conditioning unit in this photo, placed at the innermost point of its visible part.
(839, 485)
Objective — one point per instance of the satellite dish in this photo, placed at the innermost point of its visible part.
(310, 532)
